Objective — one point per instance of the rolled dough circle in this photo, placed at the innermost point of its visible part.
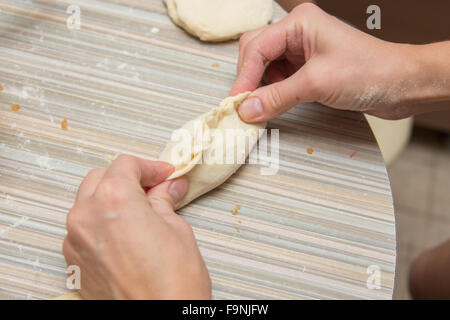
(220, 20)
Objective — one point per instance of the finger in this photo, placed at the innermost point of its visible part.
(165, 197)
(265, 47)
(270, 101)
(89, 183)
(145, 172)
(243, 41)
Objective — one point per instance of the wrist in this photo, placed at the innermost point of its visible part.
(434, 66)
(425, 81)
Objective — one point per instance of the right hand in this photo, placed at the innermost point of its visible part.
(126, 238)
(312, 56)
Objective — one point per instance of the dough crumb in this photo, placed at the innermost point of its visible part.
(121, 66)
(236, 210)
(237, 230)
(216, 65)
(1, 88)
(64, 125)
(310, 150)
(155, 30)
(239, 221)
(15, 107)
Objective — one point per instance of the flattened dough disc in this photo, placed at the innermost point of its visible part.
(220, 20)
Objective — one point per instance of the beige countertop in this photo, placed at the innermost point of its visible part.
(124, 81)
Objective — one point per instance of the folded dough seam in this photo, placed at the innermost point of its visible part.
(206, 176)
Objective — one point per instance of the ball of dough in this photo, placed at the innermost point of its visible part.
(220, 20)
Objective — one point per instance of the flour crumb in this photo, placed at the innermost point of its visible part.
(122, 66)
(44, 162)
(64, 124)
(236, 210)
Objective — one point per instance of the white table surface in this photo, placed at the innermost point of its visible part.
(124, 81)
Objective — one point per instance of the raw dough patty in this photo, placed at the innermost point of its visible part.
(220, 20)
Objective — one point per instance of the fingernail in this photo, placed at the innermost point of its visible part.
(251, 109)
(178, 189)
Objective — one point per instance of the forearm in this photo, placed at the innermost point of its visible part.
(435, 62)
(429, 83)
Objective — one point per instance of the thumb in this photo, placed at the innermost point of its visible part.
(270, 101)
(165, 197)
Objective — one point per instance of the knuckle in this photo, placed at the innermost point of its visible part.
(74, 223)
(274, 99)
(91, 177)
(244, 39)
(305, 7)
(112, 190)
(253, 48)
(125, 158)
(95, 172)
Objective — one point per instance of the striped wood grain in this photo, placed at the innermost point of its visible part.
(124, 81)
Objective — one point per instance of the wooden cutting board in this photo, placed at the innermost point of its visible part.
(124, 81)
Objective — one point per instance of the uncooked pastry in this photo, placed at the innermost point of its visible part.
(220, 20)
(204, 177)
(206, 166)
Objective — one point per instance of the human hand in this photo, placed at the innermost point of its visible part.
(126, 238)
(312, 56)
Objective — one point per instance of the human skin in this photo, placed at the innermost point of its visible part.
(123, 232)
(312, 56)
(126, 238)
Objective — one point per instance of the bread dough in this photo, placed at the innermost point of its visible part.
(204, 176)
(220, 20)
(207, 151)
